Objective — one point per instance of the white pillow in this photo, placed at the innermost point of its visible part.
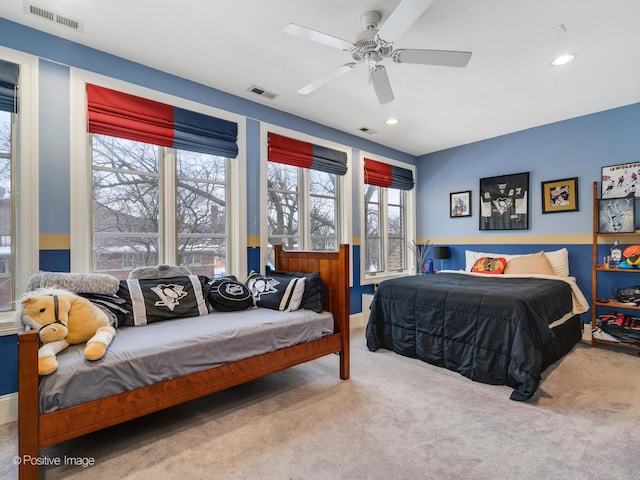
(559, 259)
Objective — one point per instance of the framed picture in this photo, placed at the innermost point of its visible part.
(460, 204)
(620, 180)
(617, 215)
(560, 195)
(504, 202)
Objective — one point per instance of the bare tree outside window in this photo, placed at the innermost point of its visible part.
(373, 238)
(128, 194)
(202, 212)
(385, 229)
(302, 208)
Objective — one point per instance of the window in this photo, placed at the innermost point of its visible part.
(18, 179)
(155, 195)
(134, 206)
(304, 188)
(7, 140)
(388, 223)
(302, 208)
(385, 229)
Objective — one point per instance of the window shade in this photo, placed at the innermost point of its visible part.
(306, 155)
(122, 115)
(384, 175)
(9, 86)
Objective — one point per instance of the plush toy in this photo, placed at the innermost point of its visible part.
(63, 318)
(631, 256)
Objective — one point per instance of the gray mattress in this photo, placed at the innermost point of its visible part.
(141, 356)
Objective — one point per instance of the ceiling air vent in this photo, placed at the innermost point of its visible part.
(52, 16)
(368, 130)
(262, 92)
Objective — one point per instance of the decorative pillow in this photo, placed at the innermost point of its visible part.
(559, 259)
(314, 290)
(150, 300)
(276, 292)
(536, 263)
(489, 265)
(227, 294)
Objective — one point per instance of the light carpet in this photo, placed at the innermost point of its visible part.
(396, 418)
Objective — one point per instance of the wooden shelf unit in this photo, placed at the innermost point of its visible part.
(597, 301)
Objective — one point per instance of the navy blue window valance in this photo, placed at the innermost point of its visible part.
(9, 86)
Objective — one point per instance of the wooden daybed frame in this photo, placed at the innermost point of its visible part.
(37, 431)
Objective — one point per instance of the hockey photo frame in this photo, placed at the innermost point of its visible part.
(504, 202)
(560, 195)
(460, 204)
(617, 215)
(620, 180)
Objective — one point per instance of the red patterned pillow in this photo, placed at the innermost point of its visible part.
(489, 265)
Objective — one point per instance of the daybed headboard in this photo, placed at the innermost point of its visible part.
(334, 271)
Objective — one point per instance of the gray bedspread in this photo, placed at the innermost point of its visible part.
(141, 356)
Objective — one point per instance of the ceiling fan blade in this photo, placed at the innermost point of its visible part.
(322, 81)
(381, 85)
(319, 37)
(402, 18)
(445, 58)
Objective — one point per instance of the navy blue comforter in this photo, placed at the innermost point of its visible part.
(489, 329)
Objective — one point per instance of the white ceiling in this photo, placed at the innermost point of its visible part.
(508, 85)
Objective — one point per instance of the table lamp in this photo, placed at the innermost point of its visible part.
(442, 253)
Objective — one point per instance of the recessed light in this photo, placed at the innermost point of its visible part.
(563, 59)
(391, 121)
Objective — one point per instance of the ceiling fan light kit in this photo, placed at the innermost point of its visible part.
(372, 45)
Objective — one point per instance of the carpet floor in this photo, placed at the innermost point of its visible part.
(396, 418)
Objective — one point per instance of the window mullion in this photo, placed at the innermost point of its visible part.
(168, 253)
(304, 189)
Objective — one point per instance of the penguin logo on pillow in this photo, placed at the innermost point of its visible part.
(169, 295)
(264, 286)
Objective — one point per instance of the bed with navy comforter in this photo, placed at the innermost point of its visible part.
(494, 329)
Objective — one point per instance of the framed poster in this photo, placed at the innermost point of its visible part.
(460, 204)
(504, 202)
(620, 180)
(617, 215)
(560, 195)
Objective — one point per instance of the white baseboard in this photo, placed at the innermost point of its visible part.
(355, 321)
(8, 408)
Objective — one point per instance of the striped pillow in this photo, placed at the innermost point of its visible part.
(277, 292)
(150, 300)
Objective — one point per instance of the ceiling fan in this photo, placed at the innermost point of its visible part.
(373, 45)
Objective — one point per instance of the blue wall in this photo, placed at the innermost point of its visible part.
(578, 147)
(573, 148)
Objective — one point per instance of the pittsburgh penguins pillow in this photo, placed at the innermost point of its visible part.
(227, 294)
(276, 292)
(152, 300)
(314, 290)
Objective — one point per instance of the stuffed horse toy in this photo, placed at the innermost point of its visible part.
(63, 318)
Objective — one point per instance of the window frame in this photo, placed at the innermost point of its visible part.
(81, 169)
(25, 181)
(367, 278)
(343, 191)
